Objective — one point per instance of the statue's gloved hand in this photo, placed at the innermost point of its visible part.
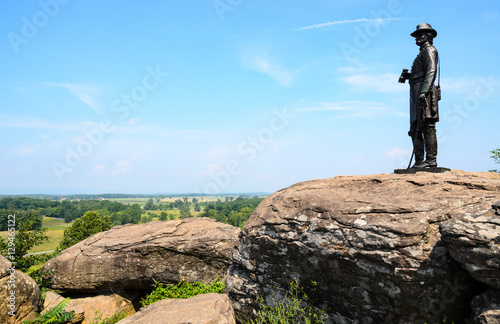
(421, 98)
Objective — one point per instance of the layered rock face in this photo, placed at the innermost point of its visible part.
(134, 256)
(474, 241)
(372, 244)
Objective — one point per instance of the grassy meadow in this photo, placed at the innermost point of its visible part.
(55, 231)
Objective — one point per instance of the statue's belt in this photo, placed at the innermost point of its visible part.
(417, 80)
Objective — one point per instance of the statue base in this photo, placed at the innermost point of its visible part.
(415, 170)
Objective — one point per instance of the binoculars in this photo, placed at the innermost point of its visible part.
(405, 75)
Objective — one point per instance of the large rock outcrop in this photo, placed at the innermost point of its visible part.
(134, 256)
(474, 241)
(19, 294)
(202, 309)
(372, 243)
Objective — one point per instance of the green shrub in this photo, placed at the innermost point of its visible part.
(90, 223)
(110, 320)
(181, 290)
(495, 156)
(291, 309)
(56, 315)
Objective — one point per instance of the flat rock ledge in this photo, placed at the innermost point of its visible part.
(202, 309)
(371, 243)
(132, 257)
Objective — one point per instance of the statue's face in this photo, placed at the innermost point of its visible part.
(421, 38)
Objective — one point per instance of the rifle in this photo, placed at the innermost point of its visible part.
(422, 105)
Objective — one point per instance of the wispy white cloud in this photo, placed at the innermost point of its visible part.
(99, 169)
(260, 61)
(398, 153)
(133, 121)
(26, 150)
(34, 123)
(83, 93)
(378, 21)
(212, 169)
(470, 85)
(123, 167)
(354, 109)
(490, 16)
(385, 82)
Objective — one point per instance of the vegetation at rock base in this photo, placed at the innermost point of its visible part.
(110, 320)
(16, 247)
(496, 157)
(56, 315)
(90, 223)
(290, 309)
(182, 290)
(444, 321)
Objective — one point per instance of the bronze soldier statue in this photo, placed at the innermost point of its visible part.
(424, 97)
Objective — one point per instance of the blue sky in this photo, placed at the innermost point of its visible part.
(217, 96)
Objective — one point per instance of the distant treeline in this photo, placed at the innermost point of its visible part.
(230, 211)
(119, 195)
(235, 212)
(68, 210)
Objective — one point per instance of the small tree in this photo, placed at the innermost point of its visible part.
(185, 213)
(150, 205)
(163, 216)
(22, 241)
(90, 223)
(496, 157)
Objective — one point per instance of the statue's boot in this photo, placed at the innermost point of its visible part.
(430, 147)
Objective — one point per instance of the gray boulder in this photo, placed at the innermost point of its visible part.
(474, 241)
(371, 243)
(202, 309)
(486, 308)
(132, 257)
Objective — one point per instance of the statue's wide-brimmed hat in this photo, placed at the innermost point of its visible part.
(424, 28)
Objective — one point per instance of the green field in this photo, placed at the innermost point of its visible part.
(143, 201)
(55, 231)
